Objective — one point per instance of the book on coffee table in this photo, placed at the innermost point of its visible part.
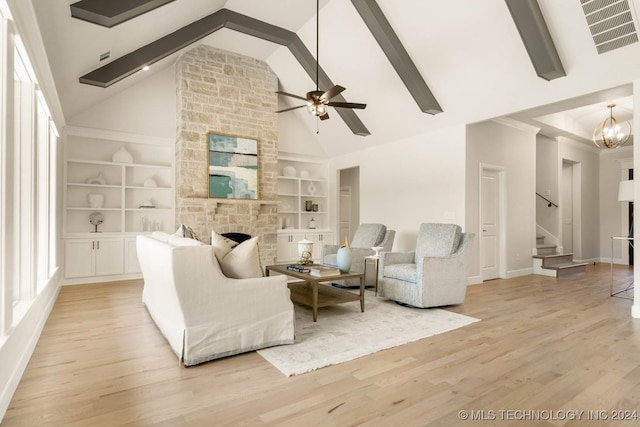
(298, 267)
(323, 270)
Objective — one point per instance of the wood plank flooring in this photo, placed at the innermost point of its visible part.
(543, 346)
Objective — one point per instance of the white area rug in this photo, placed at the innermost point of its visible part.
(343, 333)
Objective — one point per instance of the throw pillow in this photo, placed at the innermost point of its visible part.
(186, 231)
(221, 245)
(241, 262)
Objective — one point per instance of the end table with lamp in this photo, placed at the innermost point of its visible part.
(625, 194)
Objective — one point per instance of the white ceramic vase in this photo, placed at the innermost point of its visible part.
(96, 201)
(343, 259)
(122, 156)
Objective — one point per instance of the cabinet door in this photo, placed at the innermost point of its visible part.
(109, 257)
(284, 248)
(319, 240)
(79, 258)
(131, 264)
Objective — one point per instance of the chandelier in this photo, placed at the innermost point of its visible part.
(609, 133)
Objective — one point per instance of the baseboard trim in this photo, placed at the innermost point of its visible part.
(474, 280)
(24, 338)
(101, 279)
(517, 273)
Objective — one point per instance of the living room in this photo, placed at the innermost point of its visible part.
(428, 166)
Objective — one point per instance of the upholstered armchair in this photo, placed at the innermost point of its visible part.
(365, 237)
(435, 274)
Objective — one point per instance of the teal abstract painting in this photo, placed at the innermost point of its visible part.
(233, 167)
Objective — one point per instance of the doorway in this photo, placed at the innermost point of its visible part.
(492, 221)
(349, 203)
(570, 208)
(345, 214)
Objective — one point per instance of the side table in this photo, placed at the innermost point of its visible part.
(376, 260)
(629, 286)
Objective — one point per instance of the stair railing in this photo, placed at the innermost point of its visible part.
(547, 200)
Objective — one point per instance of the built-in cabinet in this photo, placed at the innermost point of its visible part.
(303, 206)
(93, 257)
(124, 180)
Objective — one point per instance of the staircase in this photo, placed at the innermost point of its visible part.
(549, 263)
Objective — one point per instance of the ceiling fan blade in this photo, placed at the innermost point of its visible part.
(292, 108)
(291, 95)
(325, 116)
(347, 105)
(336, 90)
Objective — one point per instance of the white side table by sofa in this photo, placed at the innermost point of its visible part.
(627, 287)
(375, 260)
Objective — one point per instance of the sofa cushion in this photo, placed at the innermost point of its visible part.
(239, 262)
(368, 235)
(405, 272)
(437, 240)
(176, 240)
(161, 235)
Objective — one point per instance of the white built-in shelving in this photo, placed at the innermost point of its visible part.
(127, 188)
(302, 181)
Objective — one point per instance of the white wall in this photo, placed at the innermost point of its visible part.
(587, 210)
(547, 184)
(614, 166)
(147, 108)
(408, 182)
(513, 149)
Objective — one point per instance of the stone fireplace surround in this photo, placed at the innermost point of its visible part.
(223, 92)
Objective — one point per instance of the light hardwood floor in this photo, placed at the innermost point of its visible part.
(543, 344)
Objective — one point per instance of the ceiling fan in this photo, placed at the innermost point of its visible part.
(317, 100)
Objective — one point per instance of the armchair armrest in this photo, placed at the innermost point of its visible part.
(357, 258)
(389, 258)
(329, 250)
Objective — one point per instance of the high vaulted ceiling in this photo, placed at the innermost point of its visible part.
(469, 53)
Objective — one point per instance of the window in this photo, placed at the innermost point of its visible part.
(28, 179)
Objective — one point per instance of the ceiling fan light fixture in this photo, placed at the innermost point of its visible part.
(609, 133)
(318, 100)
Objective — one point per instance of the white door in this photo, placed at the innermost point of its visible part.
(567, 208)
(345, 214)
(490, 224)
(109, 257)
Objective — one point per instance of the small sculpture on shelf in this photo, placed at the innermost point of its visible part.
(96, 180)
(122, 156)
(147, 204)
(150, 182)
(96, 218)
(96, 200)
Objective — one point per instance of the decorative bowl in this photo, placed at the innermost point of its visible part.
(377, 250)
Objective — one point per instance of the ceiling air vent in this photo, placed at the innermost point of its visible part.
(610, 22)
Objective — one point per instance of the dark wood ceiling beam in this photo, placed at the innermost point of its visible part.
(390, 44)
(536, 38)
(134, 61)
(113, 12)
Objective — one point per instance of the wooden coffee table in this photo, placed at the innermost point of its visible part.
(313, 293)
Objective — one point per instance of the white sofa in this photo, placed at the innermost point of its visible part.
(203, 314)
